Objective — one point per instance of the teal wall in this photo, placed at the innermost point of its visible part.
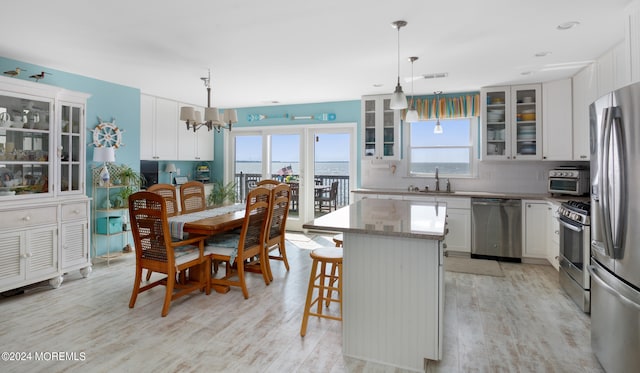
(345, 111)
(108, 101)
(111, 101)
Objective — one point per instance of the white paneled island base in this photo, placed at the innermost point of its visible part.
(393, 280)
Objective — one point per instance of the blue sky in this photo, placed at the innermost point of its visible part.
(286, 148)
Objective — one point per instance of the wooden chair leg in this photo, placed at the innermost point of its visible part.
(207, 275)
(321, 289)
(307, 304)
(136, 287)
(332, 280)
(283, 253)
(171, 279)
(268, 263)
(149, 272)
(243, 283)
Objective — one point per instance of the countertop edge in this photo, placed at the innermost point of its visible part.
(471, 194)
(419, 235)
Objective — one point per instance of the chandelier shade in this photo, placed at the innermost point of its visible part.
(193, 117)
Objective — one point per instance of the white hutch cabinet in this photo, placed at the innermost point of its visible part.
(43, 204)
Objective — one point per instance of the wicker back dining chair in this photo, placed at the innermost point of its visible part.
(268, 182)
(280, 199)
(168, 192)
(237, 249)
(192, 197)
(155, 251)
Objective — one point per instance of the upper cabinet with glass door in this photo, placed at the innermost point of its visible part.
(71, 151)
(25, 145)
(42, 131)
(512, 122)
(380, 126)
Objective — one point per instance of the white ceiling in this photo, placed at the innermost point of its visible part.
(293, 51)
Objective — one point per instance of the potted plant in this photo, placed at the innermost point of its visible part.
(130, 181)
(222, 193)
(130, 177)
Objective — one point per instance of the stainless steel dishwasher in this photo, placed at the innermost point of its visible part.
(496, 229)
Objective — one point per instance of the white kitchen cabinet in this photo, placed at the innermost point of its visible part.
(535, 225)
(584, 93)
(380, 128)
(512, 122)
(557, 120)
(632, 40)
(458, 223)
(553, 235)
(613, 70)
(458, 220)
(195, 146)
(159, 123)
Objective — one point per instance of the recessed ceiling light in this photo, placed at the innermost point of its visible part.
(542, 54)
(568, 25)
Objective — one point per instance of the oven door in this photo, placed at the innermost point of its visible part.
(574, 241)
(562, 185)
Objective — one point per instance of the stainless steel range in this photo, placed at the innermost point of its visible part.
(575, 241)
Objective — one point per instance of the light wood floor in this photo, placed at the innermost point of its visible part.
(521, 322)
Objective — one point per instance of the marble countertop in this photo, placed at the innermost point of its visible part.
(388, 217)
(469, 194)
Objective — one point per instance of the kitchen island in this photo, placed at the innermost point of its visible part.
(393, 280)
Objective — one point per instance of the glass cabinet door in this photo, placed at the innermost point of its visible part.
(25, 141)
(527, 122)
(369, 118)
(380, 126)
(496, 122)
(71, 149)
(388, 129)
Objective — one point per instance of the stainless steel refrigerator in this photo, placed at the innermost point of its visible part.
(615, 229)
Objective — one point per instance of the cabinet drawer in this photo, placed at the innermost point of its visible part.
(74, 211)
(29, 217)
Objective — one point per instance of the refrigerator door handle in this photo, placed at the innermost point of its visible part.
(605, 190)
(626, 301)
(620, 182)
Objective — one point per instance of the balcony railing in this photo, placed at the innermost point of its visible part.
(244, 182)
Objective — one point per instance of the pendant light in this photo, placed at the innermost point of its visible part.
(412, 113)
(438, 128)
(398, 100)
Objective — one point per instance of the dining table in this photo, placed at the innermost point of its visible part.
(208, 222)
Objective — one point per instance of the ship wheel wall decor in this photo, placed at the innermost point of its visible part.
(107, 134)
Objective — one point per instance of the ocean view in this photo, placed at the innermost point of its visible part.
(342, 168)
(322, 168)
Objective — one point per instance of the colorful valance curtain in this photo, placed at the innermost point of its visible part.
(450, 106)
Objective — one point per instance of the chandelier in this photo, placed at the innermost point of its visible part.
(193, 118)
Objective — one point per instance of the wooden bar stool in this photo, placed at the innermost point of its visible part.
(325, 283)
(337, 239)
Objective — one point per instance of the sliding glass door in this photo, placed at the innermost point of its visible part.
(309, 158)
(332, 166)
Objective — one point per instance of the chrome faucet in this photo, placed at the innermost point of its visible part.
(437, 181)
